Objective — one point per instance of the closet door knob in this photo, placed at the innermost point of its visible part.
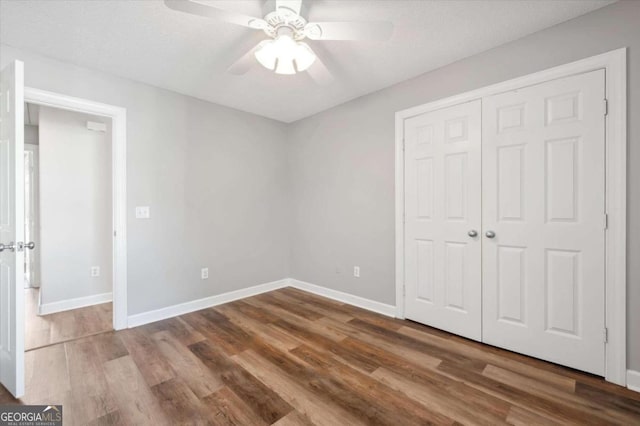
(490, 234)
(473, 233)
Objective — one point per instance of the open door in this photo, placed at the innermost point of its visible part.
(12, 228)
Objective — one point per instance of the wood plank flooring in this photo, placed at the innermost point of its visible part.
(291, 358)
(46, 330)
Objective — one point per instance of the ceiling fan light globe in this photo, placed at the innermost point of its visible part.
(266, 54)
(284, 46)
(285, 67)
(304, 56)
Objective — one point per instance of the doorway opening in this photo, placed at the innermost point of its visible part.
(68, 198)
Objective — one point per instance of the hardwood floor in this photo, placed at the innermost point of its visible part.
(62, 326)
(291, 358)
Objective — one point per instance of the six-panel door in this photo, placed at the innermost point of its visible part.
(12, 228)
(442, 205)
(543, 196)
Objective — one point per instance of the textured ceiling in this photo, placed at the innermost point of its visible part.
(147, 42)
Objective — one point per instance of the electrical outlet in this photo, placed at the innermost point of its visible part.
(204, 273)
(143, 212)
(95, 271)
(356, 271)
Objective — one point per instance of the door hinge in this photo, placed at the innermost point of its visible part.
(606, 107)
(606, 335)
(115, 233)
(606, 221)
(402, 144)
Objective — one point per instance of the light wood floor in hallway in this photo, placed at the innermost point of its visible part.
(291, 358)
(62, 326)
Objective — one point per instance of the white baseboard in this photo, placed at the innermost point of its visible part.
(360, 302)
(207, 302)
(80, 302)
(219, 299)
(633, 380)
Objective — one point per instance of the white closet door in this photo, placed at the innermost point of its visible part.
(543, 197)
(442, 205)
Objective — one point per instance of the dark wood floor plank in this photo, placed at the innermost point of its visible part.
(412, 355)
(517, 396)
(227, 409)
(433, 398)
(266, 331)
(178, 328)
(472, 350)
(91, 397)
(402, 340)
(351, 357)
(187, 366)
(218, 329)
(267, 404)
(552, 393)
(427, 376)
(136, 403)
(333, 334)
(359, 391)
(109, 346)
(294, 419)
(180, 404)
(46, 375)
(314, 307)
(297, 309)
(319, 410)
(144, 352)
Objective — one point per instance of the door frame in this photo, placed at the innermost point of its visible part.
(118, 116)
(615, 65)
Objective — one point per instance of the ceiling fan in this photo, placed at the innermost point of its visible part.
(284, 51)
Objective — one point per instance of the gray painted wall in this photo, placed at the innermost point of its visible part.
(342, 160)
(214, 177)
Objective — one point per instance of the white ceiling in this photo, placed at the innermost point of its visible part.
(146, 41)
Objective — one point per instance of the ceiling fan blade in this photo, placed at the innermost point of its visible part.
(320, 73)
(378, 31)
(293, 6)
(200, 9)
(244, 63)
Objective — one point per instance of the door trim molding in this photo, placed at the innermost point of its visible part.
(615, 65)
(118, 116)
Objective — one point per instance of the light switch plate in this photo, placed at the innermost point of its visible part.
(143, 212)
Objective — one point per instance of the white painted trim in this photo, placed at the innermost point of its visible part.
(614, 64)
(400, 218)
(207, 302)
(118, 117)
(633, 380)
(360, 302)
(80, 302)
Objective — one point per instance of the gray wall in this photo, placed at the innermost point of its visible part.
(214, 177)
(342, 160)
(75, 206)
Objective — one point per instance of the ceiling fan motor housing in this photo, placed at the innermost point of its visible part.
(283, 18)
